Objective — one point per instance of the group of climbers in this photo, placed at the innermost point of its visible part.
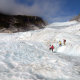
(64, 41)
(52, 47)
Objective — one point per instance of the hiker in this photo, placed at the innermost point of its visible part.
(52, 47)
(64, 41)
(60, 43)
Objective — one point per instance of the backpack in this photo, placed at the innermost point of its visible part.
(65, 40)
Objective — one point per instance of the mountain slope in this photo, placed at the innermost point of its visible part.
(26, 55)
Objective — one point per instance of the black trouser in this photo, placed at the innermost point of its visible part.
(59, 44)
(49, 48)
(52, 50)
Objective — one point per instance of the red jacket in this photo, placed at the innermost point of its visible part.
(52, 47)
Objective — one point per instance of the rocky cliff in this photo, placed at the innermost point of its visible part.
(20, 23)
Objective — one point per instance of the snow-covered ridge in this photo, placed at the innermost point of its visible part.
(26, 55)
(62, 24)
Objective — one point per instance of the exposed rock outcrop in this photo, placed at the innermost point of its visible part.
(20, 23)
(76, 18)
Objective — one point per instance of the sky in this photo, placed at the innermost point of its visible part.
(49, 10)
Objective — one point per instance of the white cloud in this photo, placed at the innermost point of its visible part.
(43, 8)
(38, 8)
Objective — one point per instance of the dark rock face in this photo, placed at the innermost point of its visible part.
(76, 18)
(20, 23)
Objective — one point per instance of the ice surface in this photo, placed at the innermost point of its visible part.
(26, 55)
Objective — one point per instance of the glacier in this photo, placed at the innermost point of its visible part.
(26, 55)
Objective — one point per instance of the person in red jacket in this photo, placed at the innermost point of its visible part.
(52, 47)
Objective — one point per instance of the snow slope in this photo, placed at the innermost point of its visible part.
(25, 55)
